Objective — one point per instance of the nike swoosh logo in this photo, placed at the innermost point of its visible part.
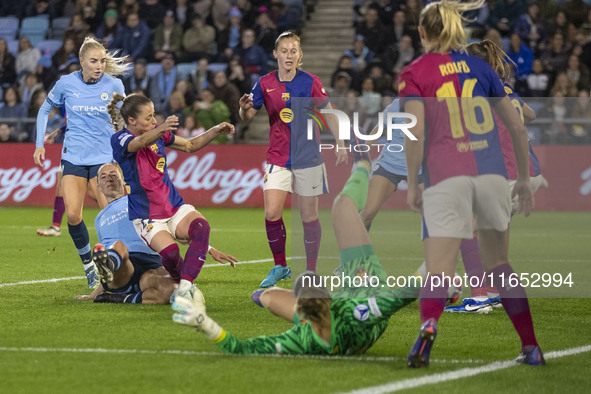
(314, 187)
(270, 90)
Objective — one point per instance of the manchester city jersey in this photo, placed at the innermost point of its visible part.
(461, 135)
(112, 224)
(87, 141)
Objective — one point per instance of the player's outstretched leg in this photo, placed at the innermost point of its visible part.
(103, 263)
(419, 355)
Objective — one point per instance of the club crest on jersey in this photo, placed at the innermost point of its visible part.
(360, 272)
(160, 164)
(286, 115)
(285, 96)
(154, 148)
(361, 312)
(104, 96)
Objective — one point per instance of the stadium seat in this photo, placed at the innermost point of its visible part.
(34, 28)
(59, 27)
(184, 69)
(49, 45)
(215, 67)
(13, 47)
(153, 69)
(9, 27)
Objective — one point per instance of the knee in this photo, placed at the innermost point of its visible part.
(367, 216)
(74, 216)
(120, 248)
(273, 214)
(342, 203)
(199, 230)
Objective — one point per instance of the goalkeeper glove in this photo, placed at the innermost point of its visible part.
(193, 314)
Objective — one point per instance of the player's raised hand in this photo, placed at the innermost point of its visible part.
(414, 198)
(225, 128)
(39, 156)
(171, 123)
(245, 102)
(223, 258)
(522, 189)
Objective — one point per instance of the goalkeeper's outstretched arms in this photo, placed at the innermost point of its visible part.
(193, 314)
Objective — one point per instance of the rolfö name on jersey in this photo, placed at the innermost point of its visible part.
(454, 68)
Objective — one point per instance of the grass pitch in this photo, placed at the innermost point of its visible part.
(50, 342)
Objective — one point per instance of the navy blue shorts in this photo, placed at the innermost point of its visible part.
(141, 262)
(394, 178)
(87, 172)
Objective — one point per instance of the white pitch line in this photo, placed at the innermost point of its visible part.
(202, 353)
(460, 373)
(32, 282)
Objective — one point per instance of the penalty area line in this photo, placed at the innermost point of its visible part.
(460, 373)
(52, 280)
(206, 353)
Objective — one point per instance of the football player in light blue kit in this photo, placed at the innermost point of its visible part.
(389, 170)
(85, 94)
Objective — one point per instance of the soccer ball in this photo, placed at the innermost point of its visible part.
(454, 292)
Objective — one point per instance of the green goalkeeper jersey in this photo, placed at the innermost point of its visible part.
(359, 316)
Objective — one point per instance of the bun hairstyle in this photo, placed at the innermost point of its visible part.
(493, 55)
(130, 108)
(115, 65)
(442, 22)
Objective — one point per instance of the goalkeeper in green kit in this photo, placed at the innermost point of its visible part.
(348, 322)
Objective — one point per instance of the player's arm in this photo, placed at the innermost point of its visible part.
(198, 142)
(192, 313)
(99, 289)
(414, 154)
(148, 138)
(247, 111)
(529, 115)
(512, 121)
(222, 257)
(50, 138)
(42, 118)
(333, 126)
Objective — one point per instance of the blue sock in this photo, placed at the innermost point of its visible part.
(115, 258)
(134, 298)
(79, 235)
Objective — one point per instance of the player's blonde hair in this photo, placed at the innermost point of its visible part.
(291, 35)
(114, 66)
(313, 309)
(493, 55)
(130, 108)
(442, 22)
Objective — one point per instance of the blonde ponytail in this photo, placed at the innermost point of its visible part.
(112, 108)
(442, 22)
(115, 66)
(493, 55)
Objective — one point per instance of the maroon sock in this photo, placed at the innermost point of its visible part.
(515, 302)
(312, 236)
(172, 260)
(473, 266)
(197, 252)
(276, 238)
(58, 211)
(432, 298)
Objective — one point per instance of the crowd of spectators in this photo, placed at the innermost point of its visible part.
(548, 41)
(223, 46)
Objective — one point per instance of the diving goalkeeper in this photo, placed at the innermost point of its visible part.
(347, 323)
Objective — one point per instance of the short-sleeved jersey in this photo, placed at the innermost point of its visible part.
(112, 224)
(392, 157)
(288, 105)
(89, 127)
(152, 194)
(461, 136)
(507, 143)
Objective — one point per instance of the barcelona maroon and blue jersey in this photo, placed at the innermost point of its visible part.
(152, 194)
(507, 143)
(288, 104)
(461, 135)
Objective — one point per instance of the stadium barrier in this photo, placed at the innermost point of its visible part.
(233, 175)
